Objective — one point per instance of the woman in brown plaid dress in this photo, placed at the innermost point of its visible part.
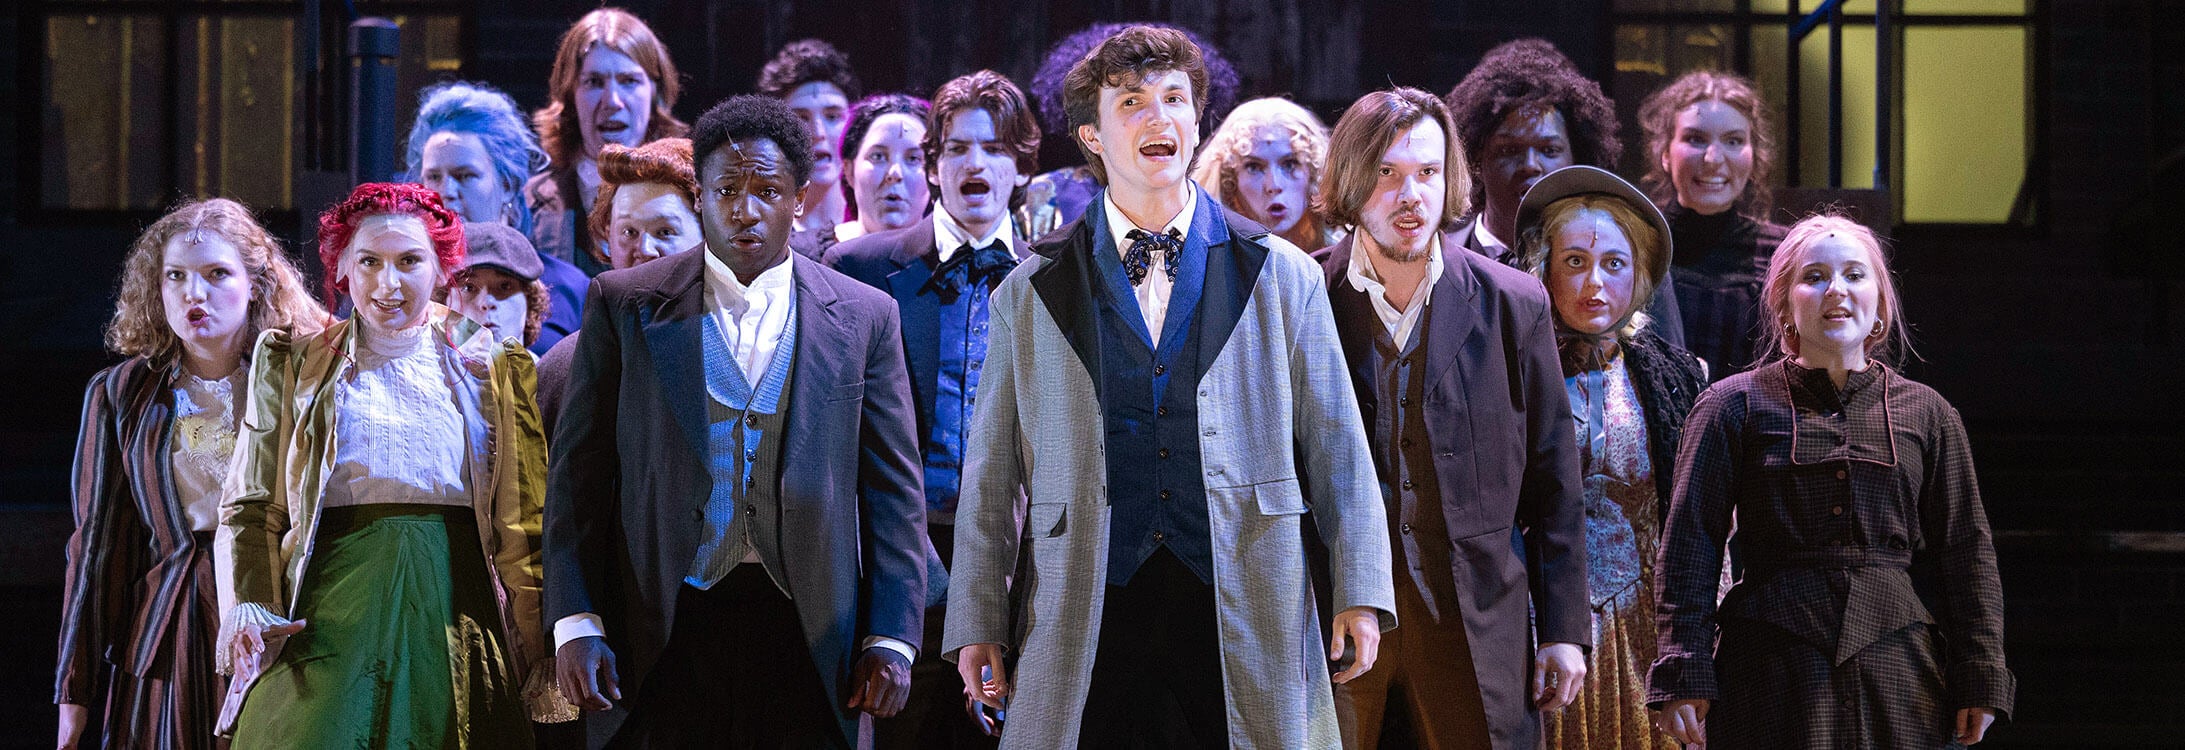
(1869, 613)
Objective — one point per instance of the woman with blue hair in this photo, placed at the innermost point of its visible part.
(471, 144)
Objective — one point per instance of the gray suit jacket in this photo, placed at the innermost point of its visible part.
(1278, 425)
(628, 477)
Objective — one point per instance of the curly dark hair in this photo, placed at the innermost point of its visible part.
(753, 116)
(804, 61)
(862, 115)
(1221, 77)
(1531, 72)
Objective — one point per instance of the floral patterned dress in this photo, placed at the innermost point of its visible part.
(1622, 525)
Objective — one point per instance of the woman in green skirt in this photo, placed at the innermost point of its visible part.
(379, 542)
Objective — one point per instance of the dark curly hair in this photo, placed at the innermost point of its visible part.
(862, 115)
(753, 116)
(1531, 72)
(339, 225)
(804, 61)
(1221, 77)
(1128, 59)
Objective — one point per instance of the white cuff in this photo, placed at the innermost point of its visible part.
(251, 613)
(909, 652)
(579, 625)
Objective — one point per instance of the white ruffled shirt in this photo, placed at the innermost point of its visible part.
(400, 437)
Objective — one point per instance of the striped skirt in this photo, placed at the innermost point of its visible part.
(402, 643)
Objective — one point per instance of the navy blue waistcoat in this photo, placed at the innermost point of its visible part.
(1156, 494)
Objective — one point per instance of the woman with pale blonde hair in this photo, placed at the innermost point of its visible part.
(1853, 490)
(138, 612)
(1265, 162)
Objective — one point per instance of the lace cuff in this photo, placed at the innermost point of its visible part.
(247, 613)
(544, 699)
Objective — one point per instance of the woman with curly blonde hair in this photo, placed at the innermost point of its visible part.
(1265, 162)
(138, 610)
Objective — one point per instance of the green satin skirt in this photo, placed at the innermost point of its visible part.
(402, 643)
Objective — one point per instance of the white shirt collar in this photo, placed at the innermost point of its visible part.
(1119, 226)
(949, 235)
(1365, 279)
(725, 291)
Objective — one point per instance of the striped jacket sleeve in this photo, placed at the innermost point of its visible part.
(105, 553)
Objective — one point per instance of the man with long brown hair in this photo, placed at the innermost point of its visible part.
(1454, 366)
(612, 82)
(1154, 414)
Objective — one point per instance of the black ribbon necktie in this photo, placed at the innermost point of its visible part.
(1140, 255)
(968, 266)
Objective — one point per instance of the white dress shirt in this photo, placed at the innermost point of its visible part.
(950, 236)
(1153, 293)
(752, 319)
(1363, 278)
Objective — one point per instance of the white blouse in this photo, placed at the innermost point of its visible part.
(202, 444)
(398, 435)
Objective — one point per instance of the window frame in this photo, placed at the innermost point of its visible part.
(1742, 19)
(318, 129)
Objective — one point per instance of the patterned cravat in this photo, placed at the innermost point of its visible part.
(1140, 256)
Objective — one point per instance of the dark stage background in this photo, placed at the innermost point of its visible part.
(2054, 330)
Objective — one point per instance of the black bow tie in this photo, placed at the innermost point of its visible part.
(1140, 255)
(968, 266)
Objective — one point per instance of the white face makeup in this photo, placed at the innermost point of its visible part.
(888, 173)
(650, 221)
(825, 111)
(976, 171)
(1835, 298)
(614, 100)
(1590, 272)
(1404, 211)
(1710, 156)
(492, 298)
(1146, 133)
(391, 270)
(456, 166)
(1273, 180)
(204, 291)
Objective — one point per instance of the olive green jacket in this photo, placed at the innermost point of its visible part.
(285, 449)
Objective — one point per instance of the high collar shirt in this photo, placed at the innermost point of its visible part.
(1153, 294)
(751, 317)
(1364, 279)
